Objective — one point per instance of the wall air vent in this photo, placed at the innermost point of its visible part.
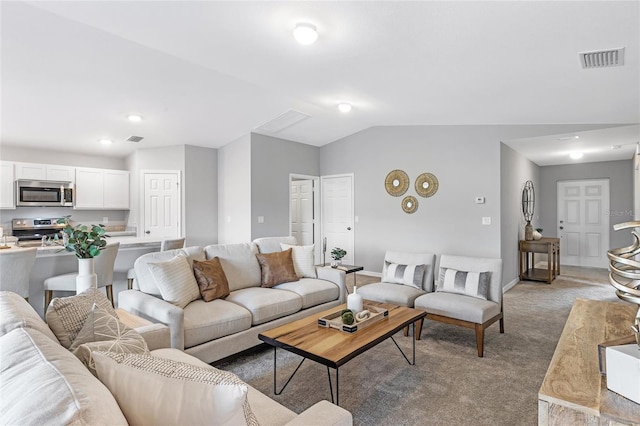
(134, 138)
(602, 58)
(284, 120)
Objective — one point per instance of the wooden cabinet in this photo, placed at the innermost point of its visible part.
(35, 171)
(7, 187)
(101, 189)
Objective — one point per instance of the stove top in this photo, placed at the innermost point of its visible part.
(31, 231)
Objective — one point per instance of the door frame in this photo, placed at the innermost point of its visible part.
(353, 209)
(141, 199)
(317, 248)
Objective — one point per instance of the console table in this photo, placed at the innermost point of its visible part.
(527, 249)
(573, 391)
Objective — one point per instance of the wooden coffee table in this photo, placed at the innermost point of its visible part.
(335, 348)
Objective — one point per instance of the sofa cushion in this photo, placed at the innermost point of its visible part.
(272, 244)
(211, 279)
(474, 284)
(42, 383)
(303, 260)
(411, 275)
(266, 304)
(313, 291)
(276, 268)
(466, 308)
(66, 315)
(239, 263)
(175, 280)
(153, 390)
(103, 332)
(402, 295)
(15, 312)
(206, 321)
(145, 281)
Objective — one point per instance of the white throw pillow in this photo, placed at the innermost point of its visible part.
(175, 280)
(154, 390)
(411, 275)
(302, 260)
(474, 284)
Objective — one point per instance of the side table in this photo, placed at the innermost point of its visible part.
(348, 269)
(527, 250)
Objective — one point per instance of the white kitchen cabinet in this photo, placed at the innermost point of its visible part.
(36, 171)
(7, 187)
(101, 189)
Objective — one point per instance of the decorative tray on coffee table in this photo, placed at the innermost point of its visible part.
(334, 319)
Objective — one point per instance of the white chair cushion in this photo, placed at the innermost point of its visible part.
(302, 260)
(395, 294)
(175, 280)
(457, 306)
(65, 282)
(266, 304)
(206, 321)
(313, 291)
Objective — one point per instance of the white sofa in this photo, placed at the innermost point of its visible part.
(41, 382)
(211, 331)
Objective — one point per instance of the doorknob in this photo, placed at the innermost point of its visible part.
(147, 232)
(562, 227)
(348, 228)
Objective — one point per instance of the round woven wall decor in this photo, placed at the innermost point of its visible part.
(426, 185)
(409, 204)
(396, 183)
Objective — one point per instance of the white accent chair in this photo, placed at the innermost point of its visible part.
(103, 268)
(172, 244)
(466, 311)
(15, 267)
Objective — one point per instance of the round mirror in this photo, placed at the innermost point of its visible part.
(396, 182)
(426, 185)
(409, 204)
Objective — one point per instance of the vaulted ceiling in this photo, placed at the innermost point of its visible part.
(207, 73)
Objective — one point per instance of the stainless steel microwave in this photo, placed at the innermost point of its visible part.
(44, 193)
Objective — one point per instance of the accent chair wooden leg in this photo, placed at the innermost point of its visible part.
(130, 283)
(109, 289)
(502, 325)
(48, 295)
(480, 339)
(418, 328)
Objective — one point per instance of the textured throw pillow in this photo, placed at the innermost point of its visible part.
(103, 332)
(175, 280)
(211, 279)
(67, 315)
(302, 260)
(411, 275)
(474, 284)
(276, 268)
(154, 390)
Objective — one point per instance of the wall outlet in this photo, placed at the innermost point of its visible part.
(486, 221)
(479, 200)
(105, 220)
(260, 219)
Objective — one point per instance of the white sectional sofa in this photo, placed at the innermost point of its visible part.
(217, 329)
(41, 382)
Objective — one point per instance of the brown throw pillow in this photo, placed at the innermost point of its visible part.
(211, 279)
(277, 268)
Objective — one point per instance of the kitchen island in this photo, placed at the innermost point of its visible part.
(53, 260)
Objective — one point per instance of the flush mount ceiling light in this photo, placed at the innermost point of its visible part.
(134, 117)
(106, 141)
(305, 33)
(616, 146)
(576, 155)
(344, 106)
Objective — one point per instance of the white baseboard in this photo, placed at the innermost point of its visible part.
(510, 285)
(373, 274)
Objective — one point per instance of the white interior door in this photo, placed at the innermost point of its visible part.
(302, 211)
(161, 204)
(583, 223)
(337, 215)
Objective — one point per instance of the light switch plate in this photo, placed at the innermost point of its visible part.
(479, 200)
(486, 221)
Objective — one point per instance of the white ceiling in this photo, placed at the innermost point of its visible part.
(206, 73)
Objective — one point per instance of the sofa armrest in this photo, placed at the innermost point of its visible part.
(156, 335)
(156, 310)
(323, 413)
(337, 277)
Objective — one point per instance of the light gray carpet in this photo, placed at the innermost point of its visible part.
(449, 385)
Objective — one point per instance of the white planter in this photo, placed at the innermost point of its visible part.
(86, 278)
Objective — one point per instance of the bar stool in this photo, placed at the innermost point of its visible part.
(15, 267)
(172, 244)
(103, 267)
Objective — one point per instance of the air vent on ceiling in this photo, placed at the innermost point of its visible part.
(602, 58)
(134, 138)
(284, 120)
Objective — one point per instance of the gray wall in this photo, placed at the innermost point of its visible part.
(636, 186)
(515, 170)
(620, 174)
(272, 160)
(201, 195)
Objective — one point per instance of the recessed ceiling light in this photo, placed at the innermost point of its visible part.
(344, 106)
(106, 141)
(305, 33)
(134, 117)
(576, 155)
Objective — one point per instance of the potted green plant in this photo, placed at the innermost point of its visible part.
(337, 254)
